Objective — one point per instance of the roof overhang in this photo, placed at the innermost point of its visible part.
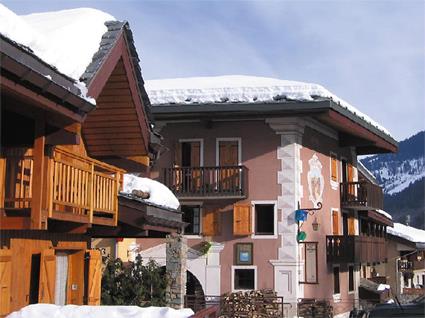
(26, 75)
(352, 130)
(377, 217)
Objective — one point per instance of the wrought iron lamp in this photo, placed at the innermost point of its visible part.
(315, 224)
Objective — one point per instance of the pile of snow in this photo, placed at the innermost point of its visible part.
(386, 214)
(409, 233)
(382, 287)
(159, 194)
(73, 311)
(240, 89)
(65, 39)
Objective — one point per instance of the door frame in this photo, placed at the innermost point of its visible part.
(217, 149)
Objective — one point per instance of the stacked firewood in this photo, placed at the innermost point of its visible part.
(311, 308)
(251, 304)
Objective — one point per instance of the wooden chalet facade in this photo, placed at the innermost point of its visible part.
(61, 170)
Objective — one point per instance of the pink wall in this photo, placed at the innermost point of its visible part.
(322, 146)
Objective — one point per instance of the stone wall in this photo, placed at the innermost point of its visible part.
(176, 251)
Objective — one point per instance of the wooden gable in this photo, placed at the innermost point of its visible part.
(119, 126)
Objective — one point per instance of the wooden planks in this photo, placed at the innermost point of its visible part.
(242, 219)
(94, 277)
(5, 281)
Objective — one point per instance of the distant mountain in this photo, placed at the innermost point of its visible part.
(402, 176)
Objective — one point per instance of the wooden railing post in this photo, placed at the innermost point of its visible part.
(2, 180)
(91, 192)
(52, 185)
(115, 197)
(38, 171)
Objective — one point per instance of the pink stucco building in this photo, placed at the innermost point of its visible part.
(242, 154)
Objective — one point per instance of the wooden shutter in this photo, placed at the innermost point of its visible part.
(210, 223)
(351, 227)
(178, 154)
(5, 281)
(334, 169)
(94, 277)
(335, 223)
(242, 219)
(47, 277)
(350, 173)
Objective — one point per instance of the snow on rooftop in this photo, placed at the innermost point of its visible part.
(409, 233)
(159, 194)
(73, 311)
(240, 89)
(386, 214)
(65, 39)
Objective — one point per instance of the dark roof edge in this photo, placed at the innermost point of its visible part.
(267, 107)
(132, 197)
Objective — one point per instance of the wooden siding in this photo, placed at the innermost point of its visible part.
(242, 219)
(114, 128)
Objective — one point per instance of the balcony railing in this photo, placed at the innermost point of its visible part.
(212, 182)
(361, 195)
(355, 249)
(77, 188)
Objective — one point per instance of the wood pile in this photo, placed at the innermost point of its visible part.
(311, 308)
(251, 304)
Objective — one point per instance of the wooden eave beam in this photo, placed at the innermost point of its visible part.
(13, 88)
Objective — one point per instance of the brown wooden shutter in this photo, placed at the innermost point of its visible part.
(195, 154)
(351, 226)
(350, 173)
(75, 279)
(5, 281)
(94, 277)
(210, 223)
(47, 277)
(334, 169)
(335, 223)
(242, 219)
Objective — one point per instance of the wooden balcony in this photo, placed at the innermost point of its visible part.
(208, 182)
(361, 196)
(75, 188)
(355, 249)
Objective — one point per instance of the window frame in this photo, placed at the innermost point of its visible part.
(336, 296)
(235, 267)
(194, 204)
(253, 217)
(217, 148)
(334, 183)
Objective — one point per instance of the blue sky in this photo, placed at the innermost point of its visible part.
(370, 53)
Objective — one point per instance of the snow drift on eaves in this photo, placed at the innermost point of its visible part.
(409, 233)
(159, 194)
(240, 89)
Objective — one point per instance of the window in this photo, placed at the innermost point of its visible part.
(192, 215)
(350, 278)
(336, 280)
(264, 219)
(244, 277)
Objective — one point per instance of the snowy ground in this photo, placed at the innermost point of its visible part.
(73, 311)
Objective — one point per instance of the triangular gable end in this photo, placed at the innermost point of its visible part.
(119, 126)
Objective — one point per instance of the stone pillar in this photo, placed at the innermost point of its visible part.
(287, 267)
(176, 252)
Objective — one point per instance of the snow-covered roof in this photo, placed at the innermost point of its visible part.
(73, 311)
(366, 172)
(409, 233)
(65, 39)
(241, 89)
(159, 194)
(386, 214)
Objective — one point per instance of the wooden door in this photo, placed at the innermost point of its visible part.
(5, 281)
(94, 277)
(242, 219)
(47, 277)
(335, 222)
(210, 223)
(228, 157)
(352, 188)
(75, 286)
(187, 161)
